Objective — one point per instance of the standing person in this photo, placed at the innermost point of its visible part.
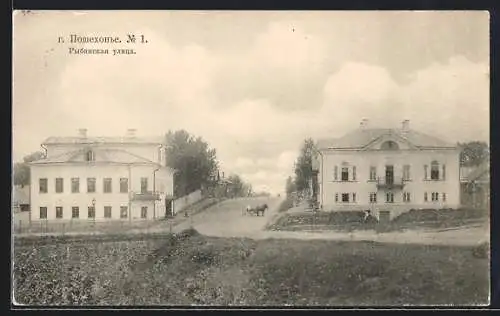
(367, 215)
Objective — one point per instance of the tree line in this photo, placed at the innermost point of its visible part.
(194, 161)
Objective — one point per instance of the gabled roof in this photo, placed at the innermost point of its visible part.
(21, 195)
(105, 140)
(100, 155)
(362, 137)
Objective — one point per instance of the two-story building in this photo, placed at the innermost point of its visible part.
(387, 171)
(101, 178)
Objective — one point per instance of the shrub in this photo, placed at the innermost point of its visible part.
(187, 233)
(445, 214)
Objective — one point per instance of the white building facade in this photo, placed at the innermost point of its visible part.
(101, 178)
(387, 171)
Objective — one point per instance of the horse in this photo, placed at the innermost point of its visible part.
(261, 209)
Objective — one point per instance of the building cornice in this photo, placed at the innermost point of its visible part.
(360, 149)
(94, 163)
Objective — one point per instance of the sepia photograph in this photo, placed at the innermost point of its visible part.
(228, 159)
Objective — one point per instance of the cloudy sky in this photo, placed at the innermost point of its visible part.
(252, 84)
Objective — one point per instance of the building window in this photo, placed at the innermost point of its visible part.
(107, 212)
(389, 145)
(91, 185)
(43, 212)
(425, 197)
(406, 197)
(373, 173)
(444, 197)
(43, 184)
(345, 197)
(91, 212)
(75, 185)
(75, 212)
(434, 170)
(435, 196)
(59, 212)
(123, 185)
(354, 173)
(354, 197)
(123, 212)
(335, 173)
(443, 176)
(59, 185)
(425, 172)
(406, 172)
(345, 174)
(336, 197)
(389, 197)
(144, 212)
(144, 185)
(373, 197)
(90, 156)
(107, 185)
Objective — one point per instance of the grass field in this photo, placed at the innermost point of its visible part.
(193, 269)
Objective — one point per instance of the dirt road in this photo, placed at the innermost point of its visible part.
(227, 220)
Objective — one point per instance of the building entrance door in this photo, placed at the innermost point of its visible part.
(168, 208)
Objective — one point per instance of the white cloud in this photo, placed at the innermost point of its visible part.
(287, 45)
(275, 93)
(457, 92)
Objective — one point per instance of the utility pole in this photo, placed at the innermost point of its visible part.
(93, 211)
(129, 194)
(154, 192)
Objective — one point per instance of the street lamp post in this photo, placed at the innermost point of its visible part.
(93, 210)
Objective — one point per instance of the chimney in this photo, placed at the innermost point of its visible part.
(131, 132)
(82, 132)
(363, 124)
(406, 125)
(163, 157)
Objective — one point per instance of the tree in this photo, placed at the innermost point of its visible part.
(22, 169)
(237, 187)
(195, 163)
(473, 153)
(303, 166)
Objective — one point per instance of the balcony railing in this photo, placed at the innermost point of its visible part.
(390, 182)
(145, 196)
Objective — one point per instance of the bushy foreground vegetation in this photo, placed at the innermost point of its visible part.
(192, 269)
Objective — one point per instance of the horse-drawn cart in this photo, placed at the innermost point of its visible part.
(256, 210)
